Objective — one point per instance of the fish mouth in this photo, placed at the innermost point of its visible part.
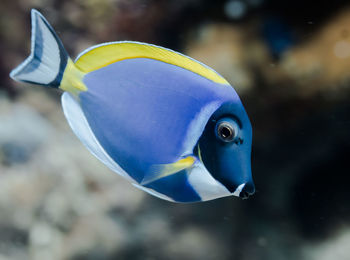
(243, 191)
(238, 190)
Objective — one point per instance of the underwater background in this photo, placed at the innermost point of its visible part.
(290, 63)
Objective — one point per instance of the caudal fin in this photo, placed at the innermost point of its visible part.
(48, 58)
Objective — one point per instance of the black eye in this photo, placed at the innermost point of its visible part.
(226, 131)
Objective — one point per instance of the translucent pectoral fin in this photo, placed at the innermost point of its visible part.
(159, 171)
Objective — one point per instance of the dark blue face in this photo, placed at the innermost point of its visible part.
(225, 148)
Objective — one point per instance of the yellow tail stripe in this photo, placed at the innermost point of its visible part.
(72, 80)
(104, 55)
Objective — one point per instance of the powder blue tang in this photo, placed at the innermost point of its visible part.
(169, 124)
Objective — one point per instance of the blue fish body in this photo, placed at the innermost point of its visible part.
(141, 110)
(169, 124)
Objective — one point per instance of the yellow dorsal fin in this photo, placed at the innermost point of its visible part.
(72, 80)
(159, 171)
(102, 55)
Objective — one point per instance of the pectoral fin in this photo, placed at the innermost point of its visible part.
(159, 171)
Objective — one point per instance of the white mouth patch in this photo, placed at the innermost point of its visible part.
(238, 190)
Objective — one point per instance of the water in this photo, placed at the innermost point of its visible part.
(58, 202)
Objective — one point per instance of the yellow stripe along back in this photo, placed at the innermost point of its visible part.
(105, 54)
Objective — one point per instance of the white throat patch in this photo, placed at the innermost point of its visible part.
(205, 185)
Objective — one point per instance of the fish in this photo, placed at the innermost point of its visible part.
(170, 125)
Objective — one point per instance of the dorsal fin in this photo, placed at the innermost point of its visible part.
(102, 55)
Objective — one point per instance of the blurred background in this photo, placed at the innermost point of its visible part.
(290, 63)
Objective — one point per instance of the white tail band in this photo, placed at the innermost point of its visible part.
(48, 58)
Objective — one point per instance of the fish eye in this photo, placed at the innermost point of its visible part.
(226, 130)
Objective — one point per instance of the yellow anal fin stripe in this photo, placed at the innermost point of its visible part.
(72, 80)
(159, 171)
(102, 55)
